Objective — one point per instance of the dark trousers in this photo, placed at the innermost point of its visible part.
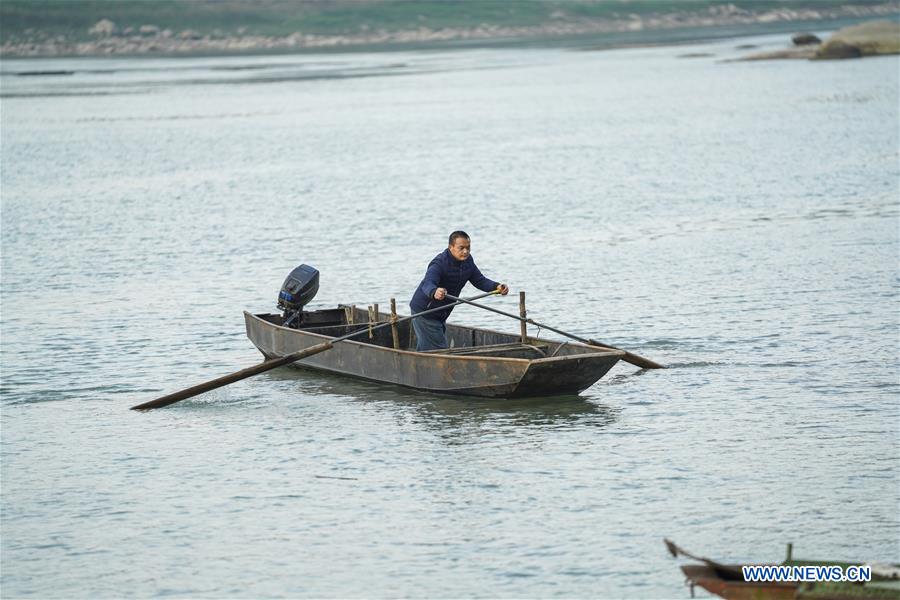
(430, 334)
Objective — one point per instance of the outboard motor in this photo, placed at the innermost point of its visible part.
(297, 290)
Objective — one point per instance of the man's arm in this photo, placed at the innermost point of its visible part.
(481, 282)
(432, 278)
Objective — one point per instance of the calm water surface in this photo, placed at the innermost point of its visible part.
(737, 221)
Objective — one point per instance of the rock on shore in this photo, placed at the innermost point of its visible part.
(866, 39)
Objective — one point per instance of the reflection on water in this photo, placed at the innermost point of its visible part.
(444, 412)
(104, 76)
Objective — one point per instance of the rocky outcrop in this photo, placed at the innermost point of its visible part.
(837, 49)
(805, 39)
(866, 39)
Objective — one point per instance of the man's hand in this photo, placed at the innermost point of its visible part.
(440, 294)
(503, 289)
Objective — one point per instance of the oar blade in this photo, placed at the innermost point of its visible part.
(231, 378)
(638, 361)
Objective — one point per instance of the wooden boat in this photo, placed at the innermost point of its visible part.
(479, 362)
(727, 581)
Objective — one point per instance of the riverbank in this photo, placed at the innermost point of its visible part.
(109, 38)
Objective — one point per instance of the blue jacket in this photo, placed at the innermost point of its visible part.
(447, 272)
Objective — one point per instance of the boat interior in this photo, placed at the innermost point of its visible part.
(464, 341)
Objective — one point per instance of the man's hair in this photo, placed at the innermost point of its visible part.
(457, 234)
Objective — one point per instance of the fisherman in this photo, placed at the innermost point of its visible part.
(447, 273)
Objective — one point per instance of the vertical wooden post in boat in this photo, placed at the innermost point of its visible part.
(522, 324)
(395, 333)
(371, 335)
(375, 312)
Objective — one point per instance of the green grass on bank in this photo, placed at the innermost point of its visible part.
(24, 19)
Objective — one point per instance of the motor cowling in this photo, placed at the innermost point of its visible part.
(298, 289)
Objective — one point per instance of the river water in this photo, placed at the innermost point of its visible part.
(737, 221)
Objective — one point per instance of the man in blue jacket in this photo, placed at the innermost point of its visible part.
(447, 273)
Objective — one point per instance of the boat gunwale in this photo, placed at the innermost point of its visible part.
(545, 360)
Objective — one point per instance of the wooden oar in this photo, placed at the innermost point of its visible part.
(639, 361)
(284, 360)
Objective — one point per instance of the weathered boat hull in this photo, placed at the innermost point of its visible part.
(706, 577)
(574, 368)
(727, 581)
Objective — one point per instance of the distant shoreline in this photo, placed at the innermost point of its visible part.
(667, 29)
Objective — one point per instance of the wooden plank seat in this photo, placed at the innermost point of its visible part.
(509, 350)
